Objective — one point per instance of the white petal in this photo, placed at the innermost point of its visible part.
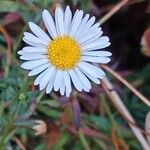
(40, 77)
(34, 63)
(67, 19)
(32, 43)
(102, 60)
(75, 79)
(87, 26)
(30, 50)
(104, 45)
(76, 22)
(96, 25)
(92, 39)
(49, 23)
(62, 86)
(38, 69)
(29, 42)
(83, 78)
(74, 16)
(98, 53)
(67, 83)
(92, 33)
(100, 43)
(92, 78)
(82, 26)
(93, 29)
(62, 89)
(85, 88)
(51, 82)
(90, 21)
(20, 52)
(46, 78)
(34, 39)
(39, 32)
(32, 56)
(59, 19)
(58, 80)
(91, 69)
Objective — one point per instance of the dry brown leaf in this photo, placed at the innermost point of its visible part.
(145, 42)
(65, 119)
(89, 132)
(12, 18)
(53, 136)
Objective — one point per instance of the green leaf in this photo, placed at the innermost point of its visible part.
(49, 111)
(101, 122)
(10, 93)
(51, 103)
(74, 2)
(8, 6)
(64, 139)
(40, 146)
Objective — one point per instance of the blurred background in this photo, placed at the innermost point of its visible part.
(102, 126)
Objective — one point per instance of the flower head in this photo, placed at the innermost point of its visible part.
(40, 128)
(64, 56)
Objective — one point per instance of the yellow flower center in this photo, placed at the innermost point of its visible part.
(64, 52)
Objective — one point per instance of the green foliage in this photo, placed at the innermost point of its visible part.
(21, 104)
(8, 6)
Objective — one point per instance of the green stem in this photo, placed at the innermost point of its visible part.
(106, 106)
(19, 40)
(45, 3)
(100, 143)
(84, 141)
(39, 97)
(6, 70)
(5, 133)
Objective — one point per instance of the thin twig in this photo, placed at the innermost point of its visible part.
(9, 46)
(116, 100)
(118, 143)
(19, 143)
(8, 41)
(126, 83)
(55, 3)
(109, 7)
(113, 11)
(89, 132)
(132, 123)
(147, 126)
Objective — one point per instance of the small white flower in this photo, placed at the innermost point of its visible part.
(40, 128)
(65, 56)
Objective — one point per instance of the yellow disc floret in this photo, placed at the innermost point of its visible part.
(64, 52)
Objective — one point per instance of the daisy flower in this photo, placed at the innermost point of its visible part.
(64, 58)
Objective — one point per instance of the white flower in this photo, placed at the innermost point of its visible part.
(65, 56)
(40, 128)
